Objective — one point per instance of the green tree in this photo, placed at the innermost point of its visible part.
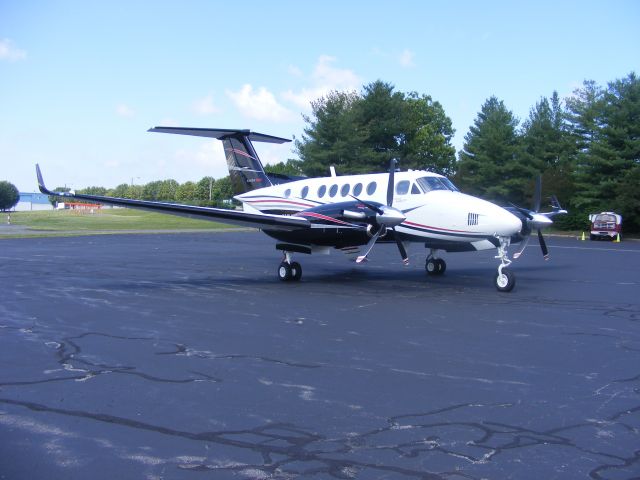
(168, 189)
(121, 191)
(291, 168)
(222, 192)
(186, 192)
(427, 133)
(608, 168)
(361, 133)
(204, 190)
(152, 190)
(332, 137)
(489, 164)
(548, 148)
(9, 195)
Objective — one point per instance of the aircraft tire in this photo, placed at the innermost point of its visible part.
(296, 271)
(442, 266)
(285, 272)
(505, 281)
(431, 266)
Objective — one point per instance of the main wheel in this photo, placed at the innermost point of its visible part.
(431, 266)
(296, 271)
(285, 272)
(442, 266)
(505, 281)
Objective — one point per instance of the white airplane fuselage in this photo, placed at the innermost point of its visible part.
(437, 214)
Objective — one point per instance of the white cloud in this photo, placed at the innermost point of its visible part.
(259, 104)
(324, 79)
(9, 52)
(406, 58)
(124, 110)
(205, 106)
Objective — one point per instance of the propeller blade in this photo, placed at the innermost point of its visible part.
(369, 246)
(524, 245)
(524, 211)
(403, 251)
(373, 207)
(391, 184)
(537, 194)
(543, 245)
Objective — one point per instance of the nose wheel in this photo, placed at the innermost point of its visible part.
(288, 270)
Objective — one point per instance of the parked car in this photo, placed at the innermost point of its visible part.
(605, 225)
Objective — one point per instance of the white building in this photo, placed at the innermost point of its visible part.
(32, 201)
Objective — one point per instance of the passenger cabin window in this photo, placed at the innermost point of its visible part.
(333, 190)
(371, 188)
(287, 193)
(357, 189)
(305, 192)
(322, 190)
(402, 187)
(344, 191)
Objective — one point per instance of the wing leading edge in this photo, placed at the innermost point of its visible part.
(233, 217)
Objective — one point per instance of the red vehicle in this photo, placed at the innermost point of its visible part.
(605, 225)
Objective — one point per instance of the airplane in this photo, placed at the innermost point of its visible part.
(352, 213)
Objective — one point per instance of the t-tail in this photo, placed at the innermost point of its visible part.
(245, 168)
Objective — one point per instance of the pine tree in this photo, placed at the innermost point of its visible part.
(547, 148)
(489, 164)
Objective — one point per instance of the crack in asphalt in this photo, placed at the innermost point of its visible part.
(295, 445)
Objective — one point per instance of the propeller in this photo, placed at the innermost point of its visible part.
(537, 220)
(386, 217)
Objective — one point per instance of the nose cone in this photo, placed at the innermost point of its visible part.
(507, 224)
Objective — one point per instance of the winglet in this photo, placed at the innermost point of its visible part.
(41, 185)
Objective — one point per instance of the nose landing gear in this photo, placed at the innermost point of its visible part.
(505, 280)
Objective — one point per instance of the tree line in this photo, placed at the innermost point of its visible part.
(586, 147)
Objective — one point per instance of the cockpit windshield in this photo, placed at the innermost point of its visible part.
(436, 183)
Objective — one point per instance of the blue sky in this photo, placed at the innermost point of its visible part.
(81, 82)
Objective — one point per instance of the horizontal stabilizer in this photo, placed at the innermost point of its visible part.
(219, 133)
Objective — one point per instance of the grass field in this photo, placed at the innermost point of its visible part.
(107, 219)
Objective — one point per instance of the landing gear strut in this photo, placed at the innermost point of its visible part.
(289, 270)
(505, 280)
(433, 265)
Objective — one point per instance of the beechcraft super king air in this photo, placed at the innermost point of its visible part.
(353, 212)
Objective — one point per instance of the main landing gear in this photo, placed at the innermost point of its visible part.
(433, 265)
(288, 270)
(505, 279)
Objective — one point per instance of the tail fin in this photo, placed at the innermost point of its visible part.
(245, 169)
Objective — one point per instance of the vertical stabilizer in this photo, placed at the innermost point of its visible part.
(245, 168)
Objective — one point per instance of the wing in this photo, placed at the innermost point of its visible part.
(233, 217)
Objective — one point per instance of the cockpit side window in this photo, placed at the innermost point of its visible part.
(415, 190)
(429, 184)
(449, 184)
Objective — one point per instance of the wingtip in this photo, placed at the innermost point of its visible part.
(41, 184)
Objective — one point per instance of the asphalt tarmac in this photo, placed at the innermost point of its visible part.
(183, 357)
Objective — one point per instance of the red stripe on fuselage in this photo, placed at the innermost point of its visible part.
(412, 224)
(322, 217)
